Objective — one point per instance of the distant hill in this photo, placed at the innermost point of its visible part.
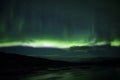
(73, 54)
(11, 60)
(19, 61)
(25, 50)
(14, 65)
(11, 63)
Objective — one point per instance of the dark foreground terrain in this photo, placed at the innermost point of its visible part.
(20, 67)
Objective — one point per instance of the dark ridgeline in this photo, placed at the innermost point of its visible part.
(15, 66)
(16, 61)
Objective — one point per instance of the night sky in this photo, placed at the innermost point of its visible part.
(59, 23)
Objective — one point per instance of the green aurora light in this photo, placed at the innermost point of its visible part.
(60, 24)
(56, 43)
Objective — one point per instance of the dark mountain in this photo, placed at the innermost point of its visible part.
(19, 61)
(38, 51)
(103, 50)
(14, 66)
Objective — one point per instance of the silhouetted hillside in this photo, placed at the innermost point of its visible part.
(10, 60)
(15, 65)
(20, 61)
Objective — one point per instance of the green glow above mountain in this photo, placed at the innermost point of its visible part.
(56, 43)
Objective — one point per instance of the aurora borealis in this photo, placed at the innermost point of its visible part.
(59, 23)
(59, 40)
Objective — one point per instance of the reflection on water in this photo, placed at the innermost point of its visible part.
(76, 73)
